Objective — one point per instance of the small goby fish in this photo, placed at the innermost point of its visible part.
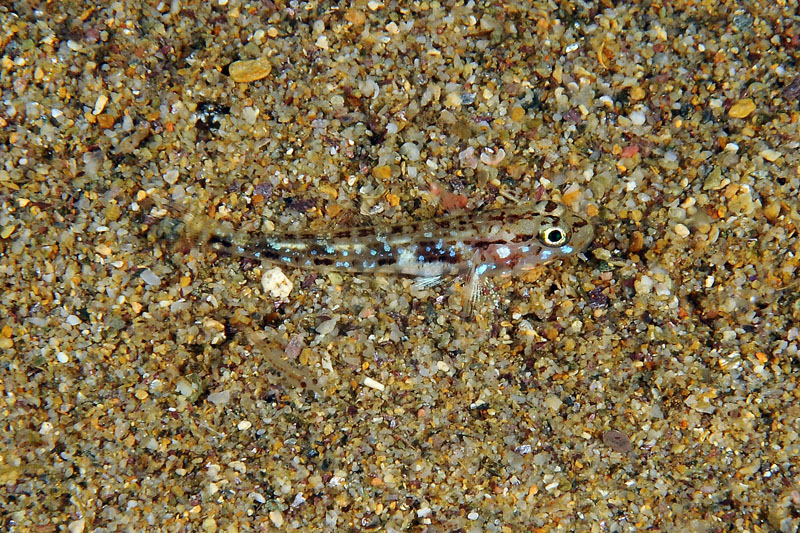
(499, 242)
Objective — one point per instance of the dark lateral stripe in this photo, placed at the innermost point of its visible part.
(483, 244)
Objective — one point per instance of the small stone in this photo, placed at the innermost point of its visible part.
(553, 402)
(250, 70)
(750, 469)
(113, 212)
(277, 518)
(327, 326)
(244, 425)
(571, 195)
(103, 250)
(171, 176)
(681, 230)
(638, 118)
(637, 242)
(77, 526)
(637, 93)
(629, 151)
(383, 172)
(105, 121)
(322, 42)
(372, 384)
(100, 104)
(770, 154)
(150, 277)
(6, 232)
(6, 343)
(452, 101)
(772, 211)
(517, 114)
(141, 394)
(617, 441)
(644, 285)
(210, 525)
(355, 16)
(742, 108)
(214, 329)
(220, 398)
(410, 151)
(491, 158)
(184, 387)
(276, 284)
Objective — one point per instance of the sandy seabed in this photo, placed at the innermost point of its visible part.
(151, 383)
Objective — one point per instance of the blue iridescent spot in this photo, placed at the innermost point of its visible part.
(481, 270)
(386, 248)
(566, 249)
(373, 252)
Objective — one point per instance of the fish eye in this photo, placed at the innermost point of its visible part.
(553, 236)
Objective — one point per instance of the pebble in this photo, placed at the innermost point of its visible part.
(100, 104)
(742, 108)
(553, 402)
(250, 70)
(637, 118)
(277, 518)
(276, 284)
(372, 384)
(410, 151)
(493, 158)
(770, 154)
(150, 277)
(220, 398)
(772, 211)
(382, 172)
(681, 230)
(171, 176)
(644, 285)
(6, 232)
(617, 441)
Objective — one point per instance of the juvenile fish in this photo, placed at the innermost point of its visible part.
(499, 242)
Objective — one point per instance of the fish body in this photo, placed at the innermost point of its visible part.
(499, 242)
